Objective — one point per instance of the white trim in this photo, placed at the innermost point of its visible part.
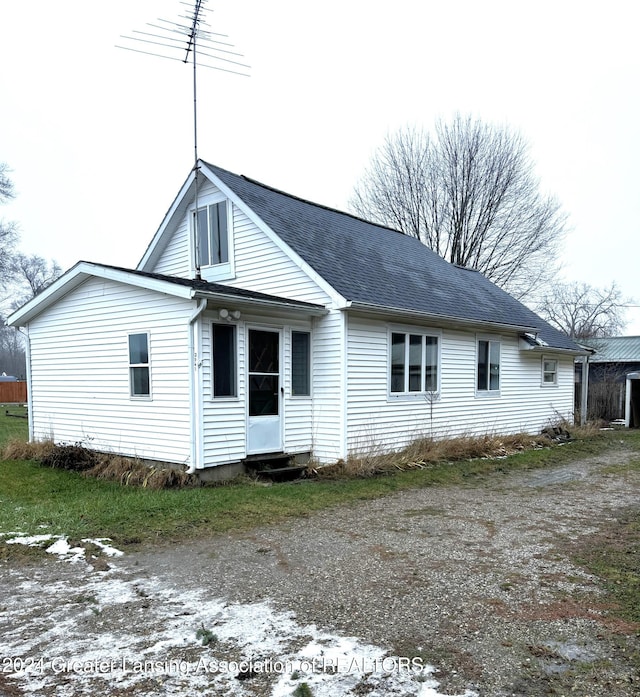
(543, 359)
(29, 382)
(236, 363)
(336, 298)
(290, 366)
(81, 272)
(195, 389)
(174, 209)
(84, 270)
(423, 332)
(279, 330)
(444, 321)
(488, 393)
(139, 397)
(224, 271)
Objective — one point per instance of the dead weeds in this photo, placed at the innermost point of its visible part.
(106, 466)
(425, 453)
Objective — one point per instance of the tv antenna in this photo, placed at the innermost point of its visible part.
(189, 40)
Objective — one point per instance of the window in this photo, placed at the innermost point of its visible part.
(488, 366)
(300, 364)
(224, 360)
(414, 363)
(549, 371)
(212, 235)
(139, 378)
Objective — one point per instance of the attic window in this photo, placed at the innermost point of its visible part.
(212, 234)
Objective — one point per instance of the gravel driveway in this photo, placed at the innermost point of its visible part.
(469, 588)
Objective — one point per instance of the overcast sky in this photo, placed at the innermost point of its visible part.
(100, 139)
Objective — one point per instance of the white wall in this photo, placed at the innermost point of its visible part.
(375, 420)
(80, 374)
(225, 419)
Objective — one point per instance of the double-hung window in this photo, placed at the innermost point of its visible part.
(414, 363)
(223, 340)
(549, 371)
(212, 235)
(139, 366)
(488, 371)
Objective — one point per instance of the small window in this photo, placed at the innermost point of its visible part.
(549, 371)
(212, 235)
(139, 374)
(224, 360)
(414, 363)
(300, 364)
(488, 366)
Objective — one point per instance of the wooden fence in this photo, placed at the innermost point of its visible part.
(13, 392)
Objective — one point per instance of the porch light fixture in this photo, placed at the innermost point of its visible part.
(223, 313)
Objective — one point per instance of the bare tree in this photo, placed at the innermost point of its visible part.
(8, 230)
(583, 311)
(12, 352)
(31, 274)
(469, 193)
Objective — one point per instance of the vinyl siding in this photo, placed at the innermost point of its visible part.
(80, 372)
(259, 263)
(328, 387)
(174, 260)
(225, 419)
(262, 266)
(375, 420)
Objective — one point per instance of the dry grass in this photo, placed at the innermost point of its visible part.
(130, 472)
(127, 471)
(426, 452)
(18, 449)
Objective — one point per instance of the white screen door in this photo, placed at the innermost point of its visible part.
(263, 385)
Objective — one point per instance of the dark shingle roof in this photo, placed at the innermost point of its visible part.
(371, 264)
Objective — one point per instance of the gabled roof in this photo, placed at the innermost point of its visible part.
(375, 267)
(615, 349)
(170, 285)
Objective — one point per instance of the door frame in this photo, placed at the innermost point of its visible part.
(279, 330)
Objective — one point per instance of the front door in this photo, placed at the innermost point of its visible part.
(264, 403)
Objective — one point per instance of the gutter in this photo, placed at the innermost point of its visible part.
(248, 301)
(195, 394)
(449, 320)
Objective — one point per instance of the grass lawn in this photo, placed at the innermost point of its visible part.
(35, 499)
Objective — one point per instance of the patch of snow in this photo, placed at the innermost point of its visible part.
(61, 546)
(29, 540)
(117, 630)
(106, 549)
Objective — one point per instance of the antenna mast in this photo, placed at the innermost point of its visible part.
(171, 37)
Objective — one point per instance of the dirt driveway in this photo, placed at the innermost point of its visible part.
(456, 590)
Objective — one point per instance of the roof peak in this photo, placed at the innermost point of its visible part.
(301, 199)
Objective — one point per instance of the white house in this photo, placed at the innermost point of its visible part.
(267, 324)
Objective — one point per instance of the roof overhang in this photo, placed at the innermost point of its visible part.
(85, 270)
(452, 322)
(443, 320)
(248, 301)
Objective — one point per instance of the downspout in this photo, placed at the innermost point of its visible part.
(195, 394)
(584, 392)
(29, 391)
